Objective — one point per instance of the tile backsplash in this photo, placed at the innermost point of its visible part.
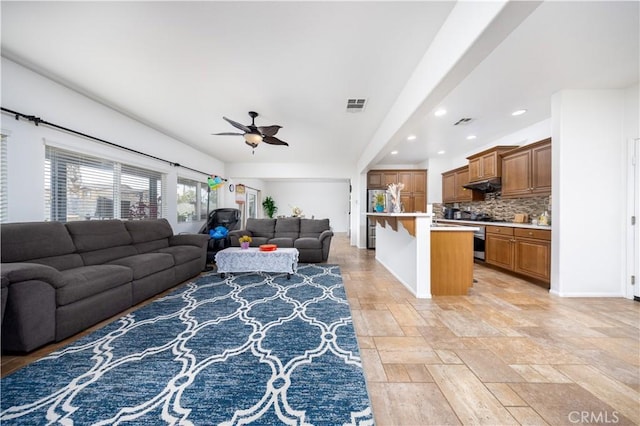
(502, 209)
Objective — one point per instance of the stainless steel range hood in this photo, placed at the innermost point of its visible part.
(489, 185)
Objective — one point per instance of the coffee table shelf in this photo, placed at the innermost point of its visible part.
(235, 259)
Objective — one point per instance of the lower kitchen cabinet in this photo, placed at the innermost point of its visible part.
(533, 253)
(521, 250)
(499, 247)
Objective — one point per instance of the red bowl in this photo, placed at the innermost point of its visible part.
(268, 247)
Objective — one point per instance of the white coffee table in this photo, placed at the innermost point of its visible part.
(235, 259)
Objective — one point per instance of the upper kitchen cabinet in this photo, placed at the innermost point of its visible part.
(527, 171)
(374, 180)
(414, 194)
(380, 179)
(487, 164)
(452, 186)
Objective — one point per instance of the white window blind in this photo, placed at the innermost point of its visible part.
(4, 202)
(82, 187)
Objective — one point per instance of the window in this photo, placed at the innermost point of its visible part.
(81, 187)
(207, 197)
(194, 200)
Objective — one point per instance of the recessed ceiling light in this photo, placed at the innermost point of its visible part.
(442, 151)
(411, 137)
(394, 152)
(440, 112)
(470, 137)
(518, 112)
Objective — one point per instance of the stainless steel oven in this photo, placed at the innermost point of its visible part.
(478, 242)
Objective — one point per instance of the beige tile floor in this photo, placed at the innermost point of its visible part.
(508, 353)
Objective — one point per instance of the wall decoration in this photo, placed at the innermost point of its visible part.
(241, 196)
(215, 182)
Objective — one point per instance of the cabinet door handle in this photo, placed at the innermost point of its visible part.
(530, 233)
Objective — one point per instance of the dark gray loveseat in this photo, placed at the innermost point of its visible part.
(62, 278)
(312, 237)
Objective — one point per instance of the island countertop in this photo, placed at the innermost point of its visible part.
(400, 214)
(440, 228)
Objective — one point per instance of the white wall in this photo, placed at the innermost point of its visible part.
(30, 93)
(318, 198)
(589, 192)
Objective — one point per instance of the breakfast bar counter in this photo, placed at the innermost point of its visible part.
(429, 260)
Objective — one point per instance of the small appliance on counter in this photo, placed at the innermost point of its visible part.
(450, 213)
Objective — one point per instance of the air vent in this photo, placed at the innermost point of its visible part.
(355, 105)
(462, 121)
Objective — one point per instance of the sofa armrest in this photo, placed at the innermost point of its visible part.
(325, 234)
(198, 240)
(18, 272)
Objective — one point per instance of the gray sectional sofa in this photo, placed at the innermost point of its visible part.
(59, 279)
(312, 237)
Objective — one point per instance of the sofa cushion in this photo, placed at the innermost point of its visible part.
(258, 241)
(88, 281)
(66, 261)
(146, 264)
(96, 235)
(33, 240)
(282, 242)
(288, 227)
(143, 231)
(307, 243)
(261, 227)
(313, 227)
(149, 246)
(100, 257)
(183, 254)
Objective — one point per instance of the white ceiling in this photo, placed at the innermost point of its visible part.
(180, 66)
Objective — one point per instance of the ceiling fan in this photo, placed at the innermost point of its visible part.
(253, 134)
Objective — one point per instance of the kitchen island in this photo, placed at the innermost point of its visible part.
(442, 265)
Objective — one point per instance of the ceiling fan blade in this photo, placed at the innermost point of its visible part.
(269, 130)
(238, 125)
(228, 134)
(274, 141)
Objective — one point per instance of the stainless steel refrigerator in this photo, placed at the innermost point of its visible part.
(371, 207)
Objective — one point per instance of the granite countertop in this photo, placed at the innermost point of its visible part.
(386, 214)
(439, 227)
(509, 224)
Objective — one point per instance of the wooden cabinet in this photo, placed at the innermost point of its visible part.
(414, 194)
(451, 263)
(389, 177)
(499, 246)
(452, 186)
(521, 250)
(374, 180)
(380, 179)
(487, 164)
(527, 171)
(533, 253)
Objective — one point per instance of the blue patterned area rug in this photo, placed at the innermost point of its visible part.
(250, 348)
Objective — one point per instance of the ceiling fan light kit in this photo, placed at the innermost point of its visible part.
(253, 134)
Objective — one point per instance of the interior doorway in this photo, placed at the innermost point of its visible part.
(250, 207)
(633, 235)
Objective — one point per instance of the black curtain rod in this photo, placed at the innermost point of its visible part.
(37, 121)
